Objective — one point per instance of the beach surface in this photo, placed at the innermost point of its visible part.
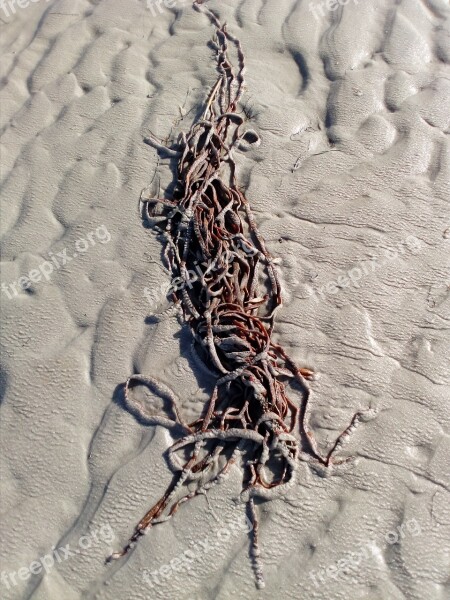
(350, 188)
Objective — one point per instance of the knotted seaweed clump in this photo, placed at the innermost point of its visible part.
(230, 305)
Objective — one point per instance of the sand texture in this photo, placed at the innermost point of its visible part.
(350, 188)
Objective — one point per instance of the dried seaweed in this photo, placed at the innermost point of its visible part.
(208, 229)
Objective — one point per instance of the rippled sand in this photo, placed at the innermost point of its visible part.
(350, 188)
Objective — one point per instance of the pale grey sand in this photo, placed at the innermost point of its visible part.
(350, 187)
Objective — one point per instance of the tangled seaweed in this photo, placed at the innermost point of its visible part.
(208, 227)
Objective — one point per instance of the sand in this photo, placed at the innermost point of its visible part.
(350, 188)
